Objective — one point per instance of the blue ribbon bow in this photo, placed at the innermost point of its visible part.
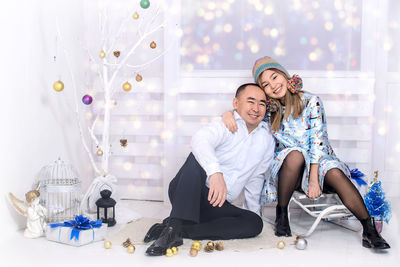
(80, 223)
(357, 176)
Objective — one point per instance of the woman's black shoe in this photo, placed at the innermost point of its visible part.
(282, 227)
(155, 231)
(370, 237)
(168, 238)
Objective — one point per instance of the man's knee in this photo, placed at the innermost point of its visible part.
(254, 224)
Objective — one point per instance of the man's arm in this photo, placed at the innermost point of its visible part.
(204, 143)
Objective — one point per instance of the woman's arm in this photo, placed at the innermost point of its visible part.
(229, 120)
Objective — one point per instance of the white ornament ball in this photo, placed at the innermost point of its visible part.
(301, 243)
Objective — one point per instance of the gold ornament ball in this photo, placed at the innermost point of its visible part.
(127, 87)
(58, 86)
(153, 45)
(131, 249)
(102, 54)
(219, 246)
(107, 244)
(135, 15)
(281, 245)
(169, 253)
(193, 252)
(174, 250)
(196, 245)
(99, 152)
(139, 78)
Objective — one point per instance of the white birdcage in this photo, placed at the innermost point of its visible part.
(60, 191)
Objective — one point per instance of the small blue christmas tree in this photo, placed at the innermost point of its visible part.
(375, 201)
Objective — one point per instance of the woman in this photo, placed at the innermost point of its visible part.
(304, 159)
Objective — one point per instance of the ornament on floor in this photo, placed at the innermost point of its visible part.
(378, 207)
(281, 245)
(131, 249)
(169, 253)
(174, 250)
(127, 243)
(209, 247)
(139, 77)
(123, 142)
(300, 242)
(135, 15)
(99, 152)
(87, 99)
(58, 86)
(153, 45)
(219, 246)
(60, 191)
(127, 86)
(196, 247)
(35, 213)
(117, 53)
(107, 244)
(106, 208)
(144, 3)
(102, 54)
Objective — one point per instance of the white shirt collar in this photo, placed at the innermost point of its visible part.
(238, 118)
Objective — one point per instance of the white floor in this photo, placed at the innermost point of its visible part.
(329, 245)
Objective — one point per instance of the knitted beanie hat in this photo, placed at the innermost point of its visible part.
(266, 63)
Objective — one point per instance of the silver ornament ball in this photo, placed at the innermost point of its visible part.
(301, 243)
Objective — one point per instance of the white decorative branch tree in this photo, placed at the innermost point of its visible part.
(148, 25)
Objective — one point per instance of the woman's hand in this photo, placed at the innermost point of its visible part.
(229, 120)
(314, 190)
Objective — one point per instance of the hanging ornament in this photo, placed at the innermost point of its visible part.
(127, 86)
(193, 252)
(139, 77)
(300, 242)
(135, 15)
(153, 45)
(117, 54)
(127, 243)
(58, 86)
(87, 99)
(209, 247)
(123, 142)
(99, 152)
(145, 4)
(102, 54)
(281, 245)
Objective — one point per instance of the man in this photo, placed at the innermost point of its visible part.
(221, 166)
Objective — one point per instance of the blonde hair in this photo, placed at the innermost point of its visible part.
(293, 106)
(32, 195)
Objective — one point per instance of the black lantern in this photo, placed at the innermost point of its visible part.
(106, 208)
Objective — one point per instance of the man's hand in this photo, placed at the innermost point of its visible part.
(217, 193)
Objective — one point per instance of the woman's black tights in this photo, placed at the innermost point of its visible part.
(290, 176)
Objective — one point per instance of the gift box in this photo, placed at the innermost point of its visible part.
(78, 232)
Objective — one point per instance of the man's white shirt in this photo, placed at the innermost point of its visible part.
(242, 157)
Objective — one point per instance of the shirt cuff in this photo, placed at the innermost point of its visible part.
(212, 168)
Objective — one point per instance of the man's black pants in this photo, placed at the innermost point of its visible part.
(188, 195)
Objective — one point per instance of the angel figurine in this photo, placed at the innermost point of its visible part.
(35, 224)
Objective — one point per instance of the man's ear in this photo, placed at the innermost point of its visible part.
(235, 103)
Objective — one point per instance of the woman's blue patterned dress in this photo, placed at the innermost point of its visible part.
(307, 134)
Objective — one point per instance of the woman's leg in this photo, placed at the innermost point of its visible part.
(352, 199)
(290, 176)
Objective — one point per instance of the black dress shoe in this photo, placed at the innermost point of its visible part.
(155, 231)
(282, 227)
(168, 238)
(370, 237)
